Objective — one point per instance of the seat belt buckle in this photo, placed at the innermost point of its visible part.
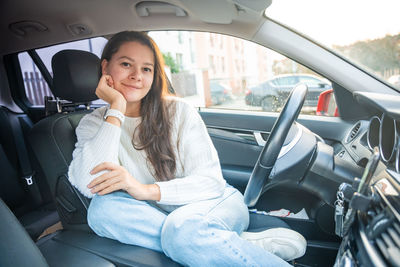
(29, 180)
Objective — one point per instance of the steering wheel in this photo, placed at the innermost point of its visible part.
(260, 176)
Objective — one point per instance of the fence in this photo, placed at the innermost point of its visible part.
(36, 88)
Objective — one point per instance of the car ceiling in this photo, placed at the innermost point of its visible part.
(29, 24)
(241, 18)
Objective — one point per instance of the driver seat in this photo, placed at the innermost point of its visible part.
(53, 141)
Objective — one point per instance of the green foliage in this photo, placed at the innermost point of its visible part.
(287, 65)
(171, 63)
(378, 55)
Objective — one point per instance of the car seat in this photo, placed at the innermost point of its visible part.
(22, 186)
(75, 76)
(18, 249)
(53, 140)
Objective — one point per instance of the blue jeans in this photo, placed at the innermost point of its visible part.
(205, 233)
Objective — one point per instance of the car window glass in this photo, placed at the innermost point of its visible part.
(93, 45)
(286, 81)
(218, 71)
(310, 81)
(35, 86)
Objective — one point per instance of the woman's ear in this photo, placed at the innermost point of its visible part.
(104, 65)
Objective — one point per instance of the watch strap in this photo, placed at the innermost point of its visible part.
(115, 113)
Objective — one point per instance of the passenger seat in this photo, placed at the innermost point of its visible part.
(75, 77)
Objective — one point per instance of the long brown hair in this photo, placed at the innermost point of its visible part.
(154, 131)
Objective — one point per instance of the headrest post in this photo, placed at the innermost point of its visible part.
(59, 107)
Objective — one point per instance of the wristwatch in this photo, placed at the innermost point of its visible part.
(115, 113)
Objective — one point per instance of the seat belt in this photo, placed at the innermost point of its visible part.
(23, 158)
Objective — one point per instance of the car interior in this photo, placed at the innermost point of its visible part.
(281, 160)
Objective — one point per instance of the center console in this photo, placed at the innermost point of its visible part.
(373, 238)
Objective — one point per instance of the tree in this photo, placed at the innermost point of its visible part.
(171, 62)
(287, 65)
(378, 55)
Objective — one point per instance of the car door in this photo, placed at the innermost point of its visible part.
(238, 130)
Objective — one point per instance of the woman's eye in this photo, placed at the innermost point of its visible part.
(125, 64)
(147, 69)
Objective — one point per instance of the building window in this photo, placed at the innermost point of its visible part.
(212, 64)
(179, 59)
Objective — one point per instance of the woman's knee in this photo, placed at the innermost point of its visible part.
(100, 211)
(180, 232)
(231, 213)
(94, 213)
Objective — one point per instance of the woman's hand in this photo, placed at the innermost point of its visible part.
(105, 90)
(118, 178)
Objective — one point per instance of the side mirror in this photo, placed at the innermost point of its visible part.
(327, 104)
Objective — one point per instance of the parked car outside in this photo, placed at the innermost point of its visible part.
(272, 94)
(395, 80)
(220, 93)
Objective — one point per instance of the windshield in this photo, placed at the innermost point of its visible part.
(365, 32)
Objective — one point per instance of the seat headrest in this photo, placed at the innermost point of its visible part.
(75, 75)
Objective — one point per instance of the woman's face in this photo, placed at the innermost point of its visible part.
(132, 70)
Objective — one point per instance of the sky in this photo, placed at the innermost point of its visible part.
(338, 22)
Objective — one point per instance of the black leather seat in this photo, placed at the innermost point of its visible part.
(75, 76)
(53, 141)
(30, 203)
(18, 249)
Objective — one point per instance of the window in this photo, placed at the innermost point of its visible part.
(286, 81)
(211, 64)
(179, 59)
(180, 38)
(35, 86)
(313, 81)
(242, 76)
(237, 65)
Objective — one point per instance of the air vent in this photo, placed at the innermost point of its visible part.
(354, 132)
(383, 229)
(385, 234)
(389, 244)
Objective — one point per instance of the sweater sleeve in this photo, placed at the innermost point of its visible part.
(98, 141)
(202, 177)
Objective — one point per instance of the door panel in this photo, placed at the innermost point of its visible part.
(232, 133)
(329, 128)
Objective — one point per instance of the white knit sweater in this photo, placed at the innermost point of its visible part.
(198, 172)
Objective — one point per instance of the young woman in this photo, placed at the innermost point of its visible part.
(153, 173)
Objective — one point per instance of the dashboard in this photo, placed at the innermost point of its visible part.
(374, 235)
